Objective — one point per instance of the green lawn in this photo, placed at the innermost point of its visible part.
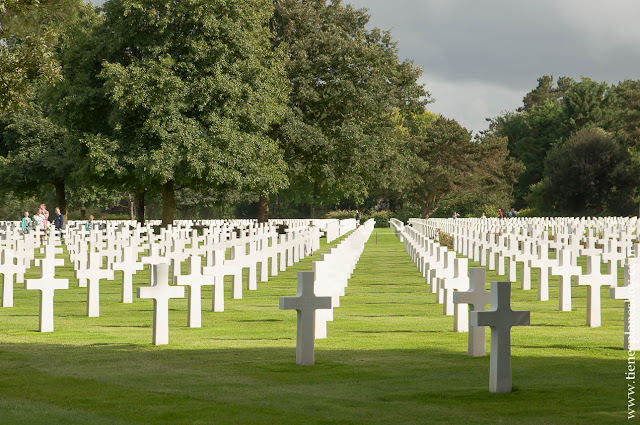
(391, 358)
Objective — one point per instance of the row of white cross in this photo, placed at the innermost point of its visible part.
(462, 289)
(119, 250)
(448, 274)
(502, 252)
(319, 291)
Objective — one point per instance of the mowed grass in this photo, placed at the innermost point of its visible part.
(391, 357)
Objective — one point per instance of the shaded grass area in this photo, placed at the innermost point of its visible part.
(391, 358)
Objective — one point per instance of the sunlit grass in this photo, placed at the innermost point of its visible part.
(391, 358)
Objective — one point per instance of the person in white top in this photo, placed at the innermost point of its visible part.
(38, 220)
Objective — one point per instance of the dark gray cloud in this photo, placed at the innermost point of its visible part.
(481, 57)
(513, 42)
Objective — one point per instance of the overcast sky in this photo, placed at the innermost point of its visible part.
(481, 57)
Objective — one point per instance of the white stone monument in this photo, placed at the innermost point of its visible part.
(161, 293)
(594, 280)
(46, 284)
(477, 297)
(565, 270)
(305, 303)
(195, 280)
(500, 318)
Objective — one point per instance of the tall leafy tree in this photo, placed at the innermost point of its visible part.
(29, 31)
(446, 161)
(586, 175)
(586, 103)
(347, 82)
(33, 153)
(178, 94)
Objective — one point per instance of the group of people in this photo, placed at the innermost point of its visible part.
(510, 214)
(41, 220)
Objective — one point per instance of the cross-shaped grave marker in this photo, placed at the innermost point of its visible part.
(161, 293)
(565, 270)
(477, 297)
(501, 319)
(594, 280)
(154, 258)
(94, 275)
(305, 303)
(625, 293)
(129, 265)
(47, 284)
(9, 269)
(542, 262)
(195, 280)
(459, 282)
(219, 268)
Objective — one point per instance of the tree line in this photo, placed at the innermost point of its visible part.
(579, 142)
(269, 108)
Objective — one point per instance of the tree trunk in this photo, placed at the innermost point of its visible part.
(263, 209)
(61, 198)
(430, 208)
(141, 207)
(207, 213)
(168, 203)
(132, 212)
(312, 211)
(276, 204)
(83, 214)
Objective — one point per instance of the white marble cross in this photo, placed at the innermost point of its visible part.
(8, 269)
(154, 258)
(477, 297)
(306, 303)
(195, 280)
(128, 265)
(500, 318)
(459, 282)
(594, 280)
(565, 270)
(542, 262)
(46, 284)
(161, 293)
(95, 274)
(218, 269)
(625, 293)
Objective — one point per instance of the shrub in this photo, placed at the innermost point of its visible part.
(445, 239)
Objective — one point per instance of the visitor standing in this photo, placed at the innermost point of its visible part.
(38, 220)
(26, 223)
(513, 212)
(45, 215)
(500, 215)
(58, 220)
(357, 218)
(483, 217)
(89, 224)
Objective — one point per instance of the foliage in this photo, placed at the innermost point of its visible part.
(445, 239)
(585, 177)
(339, 136)
(381, 217)
(33, 152)
(29, 31)
(449, 166)
(185, 93)
(550, 116)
